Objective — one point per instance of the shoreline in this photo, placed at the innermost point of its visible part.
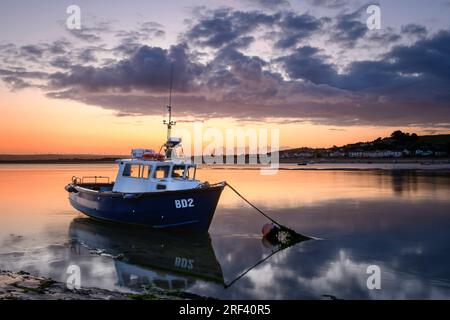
(291, 161)
(60, 161)
(387, 165)
(365, 160)
(23, 286)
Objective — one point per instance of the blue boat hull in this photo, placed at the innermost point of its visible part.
(193, 208)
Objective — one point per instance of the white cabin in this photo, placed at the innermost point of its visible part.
(141, 175)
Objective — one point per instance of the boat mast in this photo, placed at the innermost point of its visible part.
(169, 145)
(170, 123)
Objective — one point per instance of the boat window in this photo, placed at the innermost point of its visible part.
(127, 170)
(136, 171)
(161, 172)
(146, 171)
(178, 171)
(190, 174)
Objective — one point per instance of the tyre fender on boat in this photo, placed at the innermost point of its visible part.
(70, 188)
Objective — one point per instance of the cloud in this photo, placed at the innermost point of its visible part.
(384, 37)
(61, 62)
(297, 27)
(307, 63)
(87, 55)
(147, 68)
(146, 31)
(226, 26)
(349, 28)
(426, 60)
(270, 4)
(238, 86)
(421, 64)
(333, 4)
(219, 73)
(152, 29)
(130, 40)
(59, 47)
(90, 33)
(23, 73)
(85, 34)
(414, 30)
(31, 51)
(16, 83)
(403, 84)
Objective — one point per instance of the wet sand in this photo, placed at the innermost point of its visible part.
(23, 286)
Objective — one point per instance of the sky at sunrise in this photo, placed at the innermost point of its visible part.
(310, 68)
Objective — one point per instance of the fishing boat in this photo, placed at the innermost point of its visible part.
(152, 189)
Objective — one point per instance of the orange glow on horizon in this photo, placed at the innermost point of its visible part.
(34, 124)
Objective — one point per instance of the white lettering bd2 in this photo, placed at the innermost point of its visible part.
(184, 203)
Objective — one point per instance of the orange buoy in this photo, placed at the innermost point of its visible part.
(268, 228)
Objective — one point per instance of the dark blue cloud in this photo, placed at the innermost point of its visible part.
(418, 72)
(148, 67)
(296, 28)
(349, 29)
(415, 30)
(226, 26)
(429, 57)
(306, 63)
(87, 55)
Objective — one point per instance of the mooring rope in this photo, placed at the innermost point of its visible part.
(264, 214)
(293, 238)
(226, 286)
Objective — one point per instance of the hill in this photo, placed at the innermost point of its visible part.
(398, 144)
(440, 139)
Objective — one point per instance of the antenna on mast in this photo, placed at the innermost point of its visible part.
(169, 123)
(171, 142)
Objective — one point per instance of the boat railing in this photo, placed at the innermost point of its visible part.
(90, 179)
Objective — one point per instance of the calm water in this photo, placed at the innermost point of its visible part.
(399, 221)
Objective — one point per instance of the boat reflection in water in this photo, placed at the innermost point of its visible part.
(143, 257)
(165, 260)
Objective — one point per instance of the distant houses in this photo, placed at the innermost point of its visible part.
(337, 154)
(363, 154)
(298, 153)
(387, 154)
(376, 154)
(424, 153)
(360, 153)
(398, 145)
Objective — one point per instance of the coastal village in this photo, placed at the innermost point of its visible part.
(398, 145)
